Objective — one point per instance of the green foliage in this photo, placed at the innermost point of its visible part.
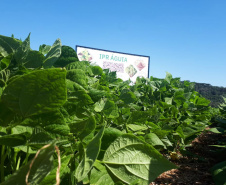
(108, 131)
(78, 76)
(129, 159)
(219, 173)
(37, 92)
(39, 168)
(68, 55)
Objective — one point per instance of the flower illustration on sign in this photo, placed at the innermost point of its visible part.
(140, 64)
(131, 71)
(84, 56)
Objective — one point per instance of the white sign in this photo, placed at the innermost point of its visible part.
(127, 66)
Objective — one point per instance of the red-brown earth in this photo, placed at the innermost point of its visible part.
(194, 168)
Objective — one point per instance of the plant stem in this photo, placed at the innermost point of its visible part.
(18, 164)
(2, 163)
(27, 155)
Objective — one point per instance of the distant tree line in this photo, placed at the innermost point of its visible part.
(212, 93)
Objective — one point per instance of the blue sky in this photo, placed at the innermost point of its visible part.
(184, 37)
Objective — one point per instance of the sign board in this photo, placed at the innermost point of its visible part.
(127, 66)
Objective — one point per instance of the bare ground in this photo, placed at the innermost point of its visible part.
(194, 167)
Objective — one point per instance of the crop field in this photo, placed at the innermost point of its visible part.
(68, 122)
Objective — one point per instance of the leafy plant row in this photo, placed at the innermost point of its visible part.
(70, 121)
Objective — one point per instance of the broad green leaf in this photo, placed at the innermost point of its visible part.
(13, 140)
(100, 176)
(96, 94)
(191, 131)
(138, 117)
(41, 166)
(6, 115)
(34, 59)
(83, 128)
(51, 122)
(219, 173)
(21, 129)
(44, 49)
(78, 76)
(136, 128)
(110, 135)
(97, 70)
(128, 97)
(8, 45)
(53, 54)
(129, 159)
(22, 51)
(110, 109)
(99, 106)
(168, 101)
(217, 130)
(166, 141)
(37, 92)
(154, 140)
(77, 94)
(50, 179)
(202, 101)
(73, 86)
(40, 138)
(4, 62)
(54, 123)
(25, 149)
(90, 156)
(168, 77)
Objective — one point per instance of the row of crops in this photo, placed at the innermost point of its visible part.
(68, 122)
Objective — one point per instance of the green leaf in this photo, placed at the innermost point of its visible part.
(40, 139)
(44, 49)
(83, 128)
(129, 159)
(26, 131)
(78, 76)
(77, 94)
(8, 45)
(51, 177)
(96, 94)
(34, 59)
(90, 156)
(99, 106)
(168, 77)
(54, 123)
(168, 101)
(6, 115)
(37, 92)
(110, 134)
(41, 166)
(97, 70)
(100, 176)
(22, 51)
(136, 128)
(166, 141)
(53, 54)
(128, 97)
(219, 173)
(154, 140)
(138, 117)
(110, 109)
(4, 63)
(202, 101)
(217, 130)
(13, 140)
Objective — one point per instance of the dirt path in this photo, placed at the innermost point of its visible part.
(194, 168)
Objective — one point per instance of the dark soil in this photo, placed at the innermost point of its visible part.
(194, 166)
